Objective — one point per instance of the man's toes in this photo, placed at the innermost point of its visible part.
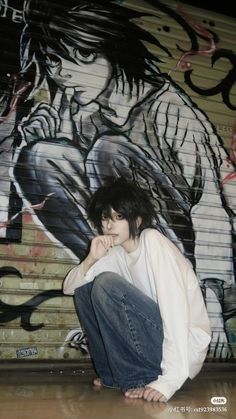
(97, 382)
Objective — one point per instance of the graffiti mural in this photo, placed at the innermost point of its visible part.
(92, 99)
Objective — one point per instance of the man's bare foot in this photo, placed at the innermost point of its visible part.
(97, 382)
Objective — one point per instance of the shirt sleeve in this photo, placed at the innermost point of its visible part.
(77, 278)
(74, 279)
(171, 272)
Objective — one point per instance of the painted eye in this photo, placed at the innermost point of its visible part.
(85, 55)
(53, 60)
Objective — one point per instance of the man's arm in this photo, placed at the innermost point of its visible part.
(76, 277)
(174, 279)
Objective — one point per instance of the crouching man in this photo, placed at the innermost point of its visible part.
(138, 299)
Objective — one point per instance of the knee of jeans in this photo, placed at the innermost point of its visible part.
(83, 292)
(106, 147)
(40, 150)
(105, 282)
(77, 292)
(32, 157)
(78, 295)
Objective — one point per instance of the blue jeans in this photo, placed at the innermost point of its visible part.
(124, 331)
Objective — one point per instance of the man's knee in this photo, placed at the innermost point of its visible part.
(107, 148)
(33, 159)
(41, 152)
(106, 283)
(83, 293)
(103, 281)
(35, 166)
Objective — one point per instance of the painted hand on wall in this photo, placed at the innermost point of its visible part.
(49, 121)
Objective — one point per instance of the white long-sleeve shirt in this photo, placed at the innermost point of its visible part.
(158, 269)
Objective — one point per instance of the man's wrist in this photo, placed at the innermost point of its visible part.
(88, 262)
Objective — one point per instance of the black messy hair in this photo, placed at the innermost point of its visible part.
(125, 198)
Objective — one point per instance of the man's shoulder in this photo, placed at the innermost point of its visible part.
(152, 233)
(152, 237)
(158, 240)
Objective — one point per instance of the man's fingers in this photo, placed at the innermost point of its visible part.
(150, 394)
(41, 123)
(57, 101)
(163, 399)
(66, 126)
(107, 241)
(135, 393)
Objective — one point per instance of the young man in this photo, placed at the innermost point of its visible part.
(138, 299)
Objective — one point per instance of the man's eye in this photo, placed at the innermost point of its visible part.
(104, 218)
(119, 217)
(85, 55)
(52, 60)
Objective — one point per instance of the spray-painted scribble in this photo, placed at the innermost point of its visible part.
(197, 32)
(9, 270)
(26, 352)
(225, 86)
(9, 312)
(233, 144)
(34, 207)
(203, 32)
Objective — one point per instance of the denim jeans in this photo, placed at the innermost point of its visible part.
(124, 331)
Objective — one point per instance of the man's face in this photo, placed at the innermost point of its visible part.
(88, 74)
(118, 228)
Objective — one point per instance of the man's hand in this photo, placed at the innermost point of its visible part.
(40, 124)
(100, 246)
(152, 395)
(49, 121)
(146, 393)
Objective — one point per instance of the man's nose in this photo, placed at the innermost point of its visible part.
(109, 223)
(65, 74)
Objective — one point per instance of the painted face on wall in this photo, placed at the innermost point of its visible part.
(86, 71)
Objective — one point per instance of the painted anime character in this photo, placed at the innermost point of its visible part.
(111, 112)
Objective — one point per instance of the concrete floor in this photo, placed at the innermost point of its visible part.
(69, 394)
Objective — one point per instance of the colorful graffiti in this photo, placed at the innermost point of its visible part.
(89, 100)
